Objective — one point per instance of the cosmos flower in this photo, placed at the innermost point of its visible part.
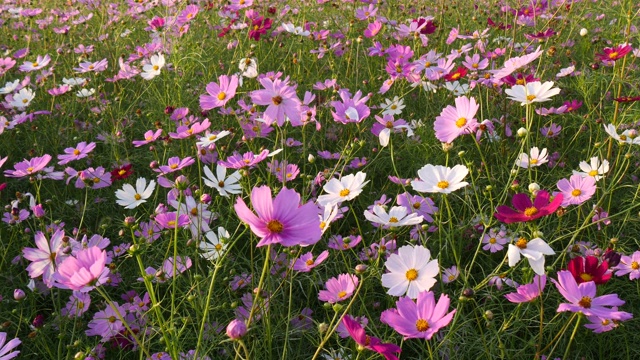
(532, 92)
(306, 262)
(358, 334)
(595, 168)
(577, 189)
(45, 258)
(533, 159)
(397, 216)
(282, 101)
(219, 95)
(411, 271)
(6, 347)
(589, 268)
(629, 265)
(225, 185)
(130, 198)
(456, 121)
(281, 220)
(420, 319)
(533, 250)
(528, 292)
(339, 289)
(525, 210)
(78, 152)
(345, 189)
(84, 271)
(440, 179)
(152, 69)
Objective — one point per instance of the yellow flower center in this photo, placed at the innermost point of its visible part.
(277, 100)
(530, 211)
(635, 265)
(533, 161)
(309, 262)
(342, 294)
(221, 183)
(411, 274)
(586, 277)
(461, 122)
(344, 192)
(76, 152)
(530, 97)
(492, 240)
(613, 55)
(322, 224)
(416, 205)
(393, 219)
(585, 302)
(455, 76)
(173, 166)
(275, 226)
(521, 243)
(389, 125)
(137, 196)
(443, 184)
(475, 65)
(222, 95)
(172, 223)
(155, 67)
(593, 172)
(194, 211)
(111, 319)
(422, 325)
(30, 169)
(24, 101)
(576, 192)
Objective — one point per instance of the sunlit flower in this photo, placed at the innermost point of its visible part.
(528, 292)
(345, 189)
(397, 216)
(411, 271)
(534, 250)
(225, 185)
(130, 198)
(532, 92)
(152, 69)
(421, 319)
(533, 159)
(440, 179)
(339, 289)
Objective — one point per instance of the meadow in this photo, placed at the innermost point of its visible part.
(321, 179)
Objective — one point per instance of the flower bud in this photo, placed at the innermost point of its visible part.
(534, 188)
(18, 294)
(361, 268)
(236, 329)
(522, 132)
(311, 158)
(584, 32)
(323, 327)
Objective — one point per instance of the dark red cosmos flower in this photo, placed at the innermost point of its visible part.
(587, 268)
(519, 79)
(259, 26)
(500, 26)
(627, 99)
(428, 28)
(615, 53)
(458, 74)
(540, 35)
(121, 172)
(525, 210)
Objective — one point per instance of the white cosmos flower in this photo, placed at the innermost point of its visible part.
(532, 92)
(224, 185)
(296, 30)
(629, 136)
(566, 71)
(9, 87)
(213, 247)
(211, 138)
(397, 216)
(392, 107)
(151, 70)
(411, 271)
(457, 88)
(83, 93)
(535, 158)
(347, 188)
(74, 81)
(249, 67)
(22, 99)
(130, 198)
(533, 250)
(328, 215)
(440, 179)
(594, 168)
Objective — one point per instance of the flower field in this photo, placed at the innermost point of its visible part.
(321, 179)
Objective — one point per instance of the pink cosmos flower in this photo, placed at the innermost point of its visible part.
(421, 319)
(77, 305)
(350, 109)
(528, 292)
(41, 61)
(358, 334)
(525, 210)
(28, 167)
(281, 220)
(246, 160)
(88, 66)
(175, 164)
(107, 323)
(514, 64)
(339, 289)
(219, 95)
(582, 298)
(629, 265)
(47, 256)
(171, 220)
(5, 348)
(495, 239)
(577, 189)
(149, 136)
(281, 99)
(602, 324)
(306, 262)
(421, 205)
(81, 151)
(83, 272)
(456, 121)
(95, 178)
(6, 64)
(373, 29)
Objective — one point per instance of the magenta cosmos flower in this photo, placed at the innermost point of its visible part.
(582, 298)
(456, 121)
(78, 152)
(525, 210)
(350, 109)
(219, 95)
(28, 167)
(281, 220)
(528, 292)
(365, 341)
(577, 189)
(338, 289)
(281, 99)
(421, 319)
(83, 272)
